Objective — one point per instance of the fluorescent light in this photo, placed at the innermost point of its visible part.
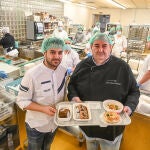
(65, 1)
(79, 4)
(116, 4)
(84, 5)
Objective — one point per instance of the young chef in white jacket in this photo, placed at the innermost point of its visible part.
(41, 88)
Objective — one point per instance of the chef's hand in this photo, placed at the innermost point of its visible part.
(127, 110)
(50, 110)
(76, 99)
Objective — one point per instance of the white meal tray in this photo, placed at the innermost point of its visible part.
(96, 110)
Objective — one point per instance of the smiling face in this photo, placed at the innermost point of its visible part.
(101, 51)
(53, 57)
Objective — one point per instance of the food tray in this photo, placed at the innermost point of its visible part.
(96, 109)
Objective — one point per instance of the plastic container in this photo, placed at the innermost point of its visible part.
(6, 105)
(13, 86)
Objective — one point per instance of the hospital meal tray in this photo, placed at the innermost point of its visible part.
(96, 110)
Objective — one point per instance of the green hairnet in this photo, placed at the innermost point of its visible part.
(80, 28)
(68, 39)
(101, 36)
(52, 42)
(112, 29)
(95, 31)
(97, 23)
(118, 28)
(148, 38)
(67, 47)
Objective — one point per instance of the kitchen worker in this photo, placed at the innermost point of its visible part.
(120, 43)
(41, 88)
(143, 78)
(70, 57)
(7, 41)
(79, 36)
(100, 77)
(96, 28)
(59, 32)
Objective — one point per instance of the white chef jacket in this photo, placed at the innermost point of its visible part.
(119, 44)
(63, 34)
(43, 86)
(71, 59)
(144, 69)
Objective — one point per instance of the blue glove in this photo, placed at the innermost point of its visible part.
(3, 74)
(138, 85)
(69, 71)
(89, 54)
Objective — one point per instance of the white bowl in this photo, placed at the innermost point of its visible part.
(116, 105)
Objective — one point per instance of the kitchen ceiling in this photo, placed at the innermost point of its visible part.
(129, 4)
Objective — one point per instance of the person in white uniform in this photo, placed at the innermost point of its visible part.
(120, 43)
(143, 78)
(96, 28)
(59, 32)
(41, 88)
(70, 56)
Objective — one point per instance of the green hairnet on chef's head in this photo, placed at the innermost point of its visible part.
(119, 28)
(95, 31)
(52, 42)
(102, 37)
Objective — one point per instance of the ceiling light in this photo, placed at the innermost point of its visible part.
(79, 4)
(116, 4)
(84, 5)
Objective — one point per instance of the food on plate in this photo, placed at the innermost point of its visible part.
(64, 113)
(113, 106)
(81, 112)
(111, 117)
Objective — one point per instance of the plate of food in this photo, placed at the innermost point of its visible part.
(81, 112)
(113, 105)
(64, 112)
(110, 117)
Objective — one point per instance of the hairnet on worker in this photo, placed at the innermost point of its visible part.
(68, 41)
(67, 47)
(118, 28)
(5, 30)
(101, 36)
(52, 42)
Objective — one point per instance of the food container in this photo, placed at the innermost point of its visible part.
(6, 104)
(64, 112)
(81, 112)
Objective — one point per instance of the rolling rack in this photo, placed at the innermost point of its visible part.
(137, 38)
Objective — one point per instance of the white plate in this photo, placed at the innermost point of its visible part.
(113, 102)
(75, 111)
(65, 107)
(115, 123)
